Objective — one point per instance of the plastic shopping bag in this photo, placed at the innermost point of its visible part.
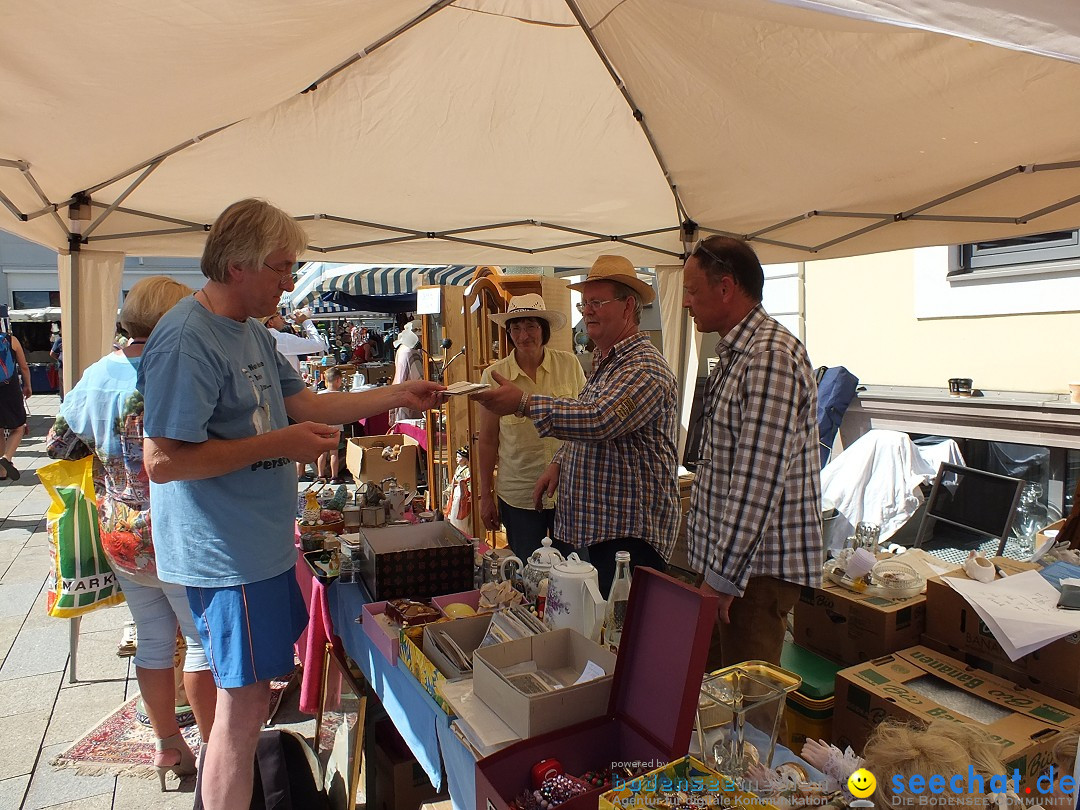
(80, 578)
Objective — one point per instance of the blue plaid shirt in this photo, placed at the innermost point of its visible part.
(618, 475)
(755, 506)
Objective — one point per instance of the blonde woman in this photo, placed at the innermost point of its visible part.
(103, 414)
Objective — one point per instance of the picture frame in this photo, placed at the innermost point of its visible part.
(339, 731)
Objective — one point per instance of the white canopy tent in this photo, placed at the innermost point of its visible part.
(532, 131)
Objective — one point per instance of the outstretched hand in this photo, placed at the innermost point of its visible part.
(420, 395)
(503, 400)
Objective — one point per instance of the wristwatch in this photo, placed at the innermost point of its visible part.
(520, 412)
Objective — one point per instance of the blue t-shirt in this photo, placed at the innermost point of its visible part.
(208, 377)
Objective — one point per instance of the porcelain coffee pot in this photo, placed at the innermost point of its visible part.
(573, 598)
(538, 569)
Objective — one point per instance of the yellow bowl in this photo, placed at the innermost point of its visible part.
(458, 610)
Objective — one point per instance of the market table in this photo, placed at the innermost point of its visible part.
(422, 724)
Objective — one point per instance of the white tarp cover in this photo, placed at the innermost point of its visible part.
(488, 112)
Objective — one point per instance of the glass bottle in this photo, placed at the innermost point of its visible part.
(1029, 519)
(617, 601)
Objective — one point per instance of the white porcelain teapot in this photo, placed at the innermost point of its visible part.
(538, 569)
(573, 598)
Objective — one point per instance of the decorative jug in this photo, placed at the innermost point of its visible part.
(538, 570)
(573, 598)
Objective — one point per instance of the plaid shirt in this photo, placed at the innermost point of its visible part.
(755, 506)
(618, 474)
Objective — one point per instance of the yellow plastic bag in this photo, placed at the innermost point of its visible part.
(80, 578)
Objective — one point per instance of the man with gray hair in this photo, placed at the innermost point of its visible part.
(219, 450)
(616, 470)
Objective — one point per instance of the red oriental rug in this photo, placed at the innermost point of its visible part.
(120, 745)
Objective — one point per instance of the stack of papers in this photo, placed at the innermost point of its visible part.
(478, 724)
(1020, 610)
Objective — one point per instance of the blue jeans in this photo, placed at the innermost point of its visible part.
(526, 528)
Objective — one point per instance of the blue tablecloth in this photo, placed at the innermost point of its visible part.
(422, 724)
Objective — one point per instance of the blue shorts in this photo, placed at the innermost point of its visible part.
(248, 631)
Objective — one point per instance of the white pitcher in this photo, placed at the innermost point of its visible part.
(573, 598)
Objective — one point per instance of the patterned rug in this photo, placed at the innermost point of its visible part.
(122, 746)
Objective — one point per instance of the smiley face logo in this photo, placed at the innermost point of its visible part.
(862, 784)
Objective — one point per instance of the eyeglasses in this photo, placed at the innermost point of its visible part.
(593, 304)
(723, 264)
(288, 272)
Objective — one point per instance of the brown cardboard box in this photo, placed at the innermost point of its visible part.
(562, 654)
(953, 625)
(848, 627)
(363, 456)
(1027, 723)
(400, 782)
(1007, 672)
(416, 561)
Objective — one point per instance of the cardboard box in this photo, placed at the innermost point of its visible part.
(954, 625)
(654, 695)
(363, 456)
(561, 654)
(382, 632)
(400, 782)
(848, 627)
(467, 633)
(470, 598)
(430, 667)
(416, 561)
(1026, 723)
(1004, 671)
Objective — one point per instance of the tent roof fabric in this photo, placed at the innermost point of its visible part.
(375, 281)
(542, 131)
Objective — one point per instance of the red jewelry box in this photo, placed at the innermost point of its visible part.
(651, 710)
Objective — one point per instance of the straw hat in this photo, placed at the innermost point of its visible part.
(619, 269)
(529, 306)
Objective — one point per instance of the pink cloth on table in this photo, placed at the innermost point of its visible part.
(320, 631)
(311, 646)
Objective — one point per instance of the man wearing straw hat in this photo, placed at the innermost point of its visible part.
(616, 471)
(754, 527)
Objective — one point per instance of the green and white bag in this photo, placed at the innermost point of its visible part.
(80, 578)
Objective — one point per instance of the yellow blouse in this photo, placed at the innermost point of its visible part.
(523, 455)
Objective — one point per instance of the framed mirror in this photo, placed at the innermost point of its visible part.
(339, 731)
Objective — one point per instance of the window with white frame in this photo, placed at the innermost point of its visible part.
(1044, 252)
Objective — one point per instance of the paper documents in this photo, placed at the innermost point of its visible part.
(481, 727)
(465, 387)
(1020, 610)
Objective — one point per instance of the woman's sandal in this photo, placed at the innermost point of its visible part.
(185, 764)
(13, 473)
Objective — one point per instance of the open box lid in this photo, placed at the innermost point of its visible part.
(662, 656)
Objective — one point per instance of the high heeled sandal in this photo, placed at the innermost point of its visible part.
(184, 767)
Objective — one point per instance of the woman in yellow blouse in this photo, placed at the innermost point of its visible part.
(512, 441)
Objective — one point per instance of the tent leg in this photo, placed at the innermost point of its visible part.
(73, 647)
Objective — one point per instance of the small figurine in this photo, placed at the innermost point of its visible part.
(341, 495)
(458, 494)
(312, 509)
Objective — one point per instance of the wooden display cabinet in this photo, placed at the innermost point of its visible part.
(460, 315)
